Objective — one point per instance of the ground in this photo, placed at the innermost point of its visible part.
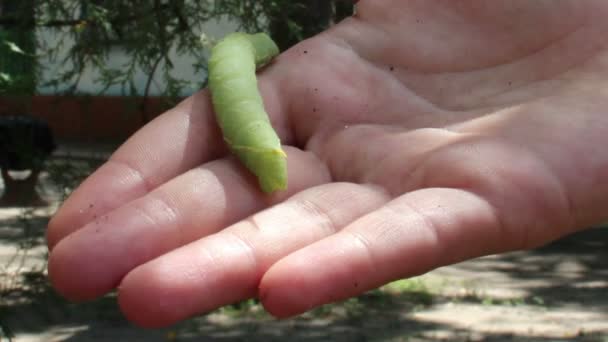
(555, 293)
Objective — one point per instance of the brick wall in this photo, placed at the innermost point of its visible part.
(87, 118)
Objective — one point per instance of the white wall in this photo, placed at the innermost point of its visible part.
(183, 68)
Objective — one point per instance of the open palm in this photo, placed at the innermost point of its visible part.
(419, 133)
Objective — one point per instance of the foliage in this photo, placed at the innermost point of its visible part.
(149, 34)
(17, 60)
(302, 19)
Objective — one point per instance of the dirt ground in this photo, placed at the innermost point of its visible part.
(555, 293)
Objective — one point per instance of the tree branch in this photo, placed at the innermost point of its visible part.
(15, 21)
(12, 22)
(144, 106)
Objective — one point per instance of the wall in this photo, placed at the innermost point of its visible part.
(53, 65)
(106, 117)
(86, 118)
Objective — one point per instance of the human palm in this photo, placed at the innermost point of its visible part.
(419, 133)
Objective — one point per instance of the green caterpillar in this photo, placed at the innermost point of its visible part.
(239, 107)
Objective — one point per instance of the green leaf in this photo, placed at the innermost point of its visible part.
(14, 48)
(5, 77)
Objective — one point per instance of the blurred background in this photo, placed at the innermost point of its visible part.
(78, 77)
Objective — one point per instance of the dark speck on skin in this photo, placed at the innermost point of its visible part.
(356, 284)
(305, 51)
(392, 68)
(91, 205)
(314, 110)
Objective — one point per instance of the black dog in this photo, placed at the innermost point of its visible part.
(25, 143)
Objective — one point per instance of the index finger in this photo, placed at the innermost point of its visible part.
(175, 142)
(172, 143)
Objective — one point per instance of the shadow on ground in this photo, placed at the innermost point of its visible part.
(571, 271)
(374, 317)
(23, 227)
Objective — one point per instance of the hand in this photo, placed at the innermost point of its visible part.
(421, 133)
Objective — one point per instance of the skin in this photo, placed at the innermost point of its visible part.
(240, 109)
(419, 133)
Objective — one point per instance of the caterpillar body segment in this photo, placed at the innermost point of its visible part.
(239, 107)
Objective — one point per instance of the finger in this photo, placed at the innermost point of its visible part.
(93, 260)
(226, 267)
(410, 235)
(175, 142)
(169, 145)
